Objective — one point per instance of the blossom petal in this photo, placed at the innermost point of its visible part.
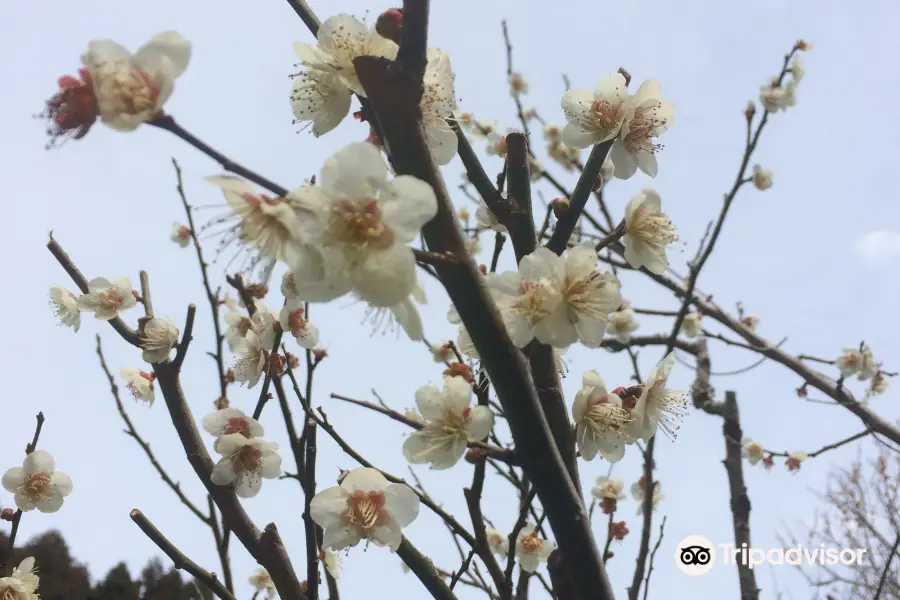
(62, 483)
(39, 461)
(386, 535)
(387, 278)
(429, 400)
(441, 140)
(51, 504)
(328, 505)
(365, 479)
(13, 479)
(339, 537)
(355, 172)
(401, 503)
(406, 205)
(481, 420)
(223, 472)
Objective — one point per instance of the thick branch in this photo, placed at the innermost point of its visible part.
(395, 93)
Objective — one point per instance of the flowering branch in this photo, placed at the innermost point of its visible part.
(824, 449)
(128, 334)
(29, 448)
(181, 561)
(425, 571)
(394, 94)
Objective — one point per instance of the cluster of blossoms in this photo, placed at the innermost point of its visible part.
(754, 453)
(530, 548)
(608, 491)
(778, 94)
(321, 93)
(246, 459)
(605, 422)
(860, 362)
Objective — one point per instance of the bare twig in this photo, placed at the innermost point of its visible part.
(181, 561)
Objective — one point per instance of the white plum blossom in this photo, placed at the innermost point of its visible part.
(608, 489)
(647, 232)
(341, 39)
(252, 360)
(364, 506)
(527, 298)
(751, 450)
(293, 320)
(244, 463)
(321, 97)
(22, 583)
(106, 299)
(237, 326)
(553, 133)
(269, 225)
(442, 352)
(65, 307)
(658, 406)
(622, 323)
(587, 297)
(648, 117)
(880, 383)
(601, 423)
(794, 460)
(531, 550)
(159, 335)
(139, 383)
(762, 178)
(595, 117)
(857, 361)
(518, 84)
(497, 542)
(132, 88)
(181, 234)
(691, 325)
(362, 224)
(637, 492)
(450, 424)
(438, 105)
(797, 70)
(775, 97)
(485, 219)
(37, 483)
(262, 583)
(231, 420)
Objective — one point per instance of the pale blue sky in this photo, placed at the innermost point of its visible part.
(787, 253)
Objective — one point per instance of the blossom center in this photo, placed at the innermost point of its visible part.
(297, 321)
(129, 90)
(237, 425)
(248, 459)
(653, 226)
(8, 593)
(643, 127)
(360, 225)
(73, 109)
(111, 298)
(531, 543)
(606, 116)
(365, 510)
(37, 485)
(532, 301)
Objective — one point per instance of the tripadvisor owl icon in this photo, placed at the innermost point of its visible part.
(695, 555)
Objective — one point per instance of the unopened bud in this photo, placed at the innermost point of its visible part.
(319, 353)
(229, 376)
(560, 206)
(803, 45)
(390, 24)
(618, 530)
(276, 365)
(609, 555)
(257, 290)
(475, 455)
(293, 360)
(801, 391)
(768, 462)
(459, 369)
(608, 505)
(483, 269)
(7, 514)
(750, 110)
(221, 403)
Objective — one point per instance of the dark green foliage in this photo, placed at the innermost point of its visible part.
(64, 579)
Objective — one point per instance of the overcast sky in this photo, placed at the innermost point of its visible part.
(815, 257)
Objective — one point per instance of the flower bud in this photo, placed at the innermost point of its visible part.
(390, 24)
(618, 530)
(475, 455)
(257, 290)
(483, 269)
(221, 403)
(560, 206)
(319, 353)
(7, 514)
(459, 369)
(803, 45)
(750, 110)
